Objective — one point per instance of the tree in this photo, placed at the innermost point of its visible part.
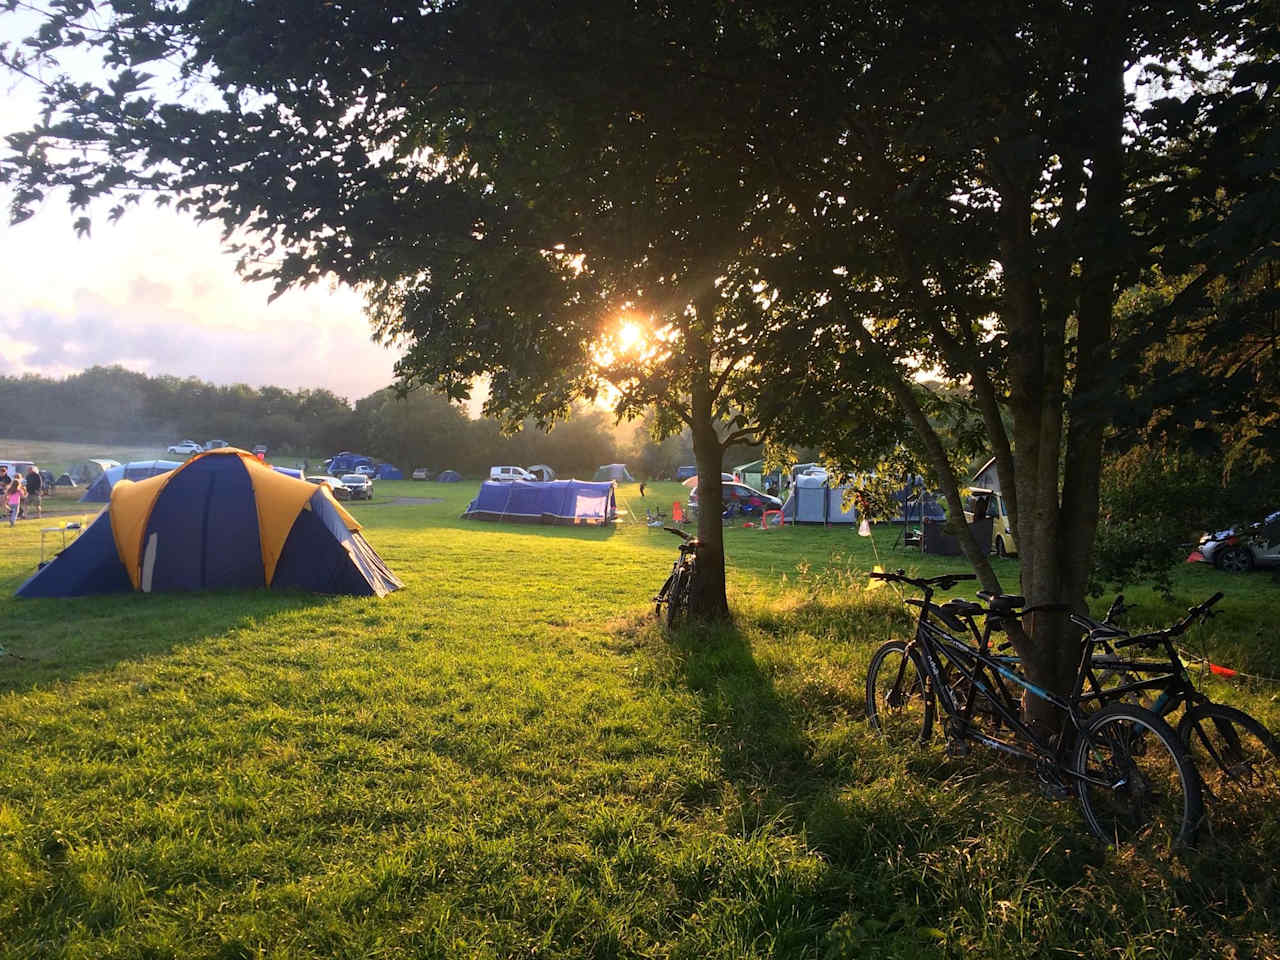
(989, 188)
(829, 198)
(502, 190)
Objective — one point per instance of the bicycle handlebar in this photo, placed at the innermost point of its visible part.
(679, 533)
(946, 581)
(1168, 633)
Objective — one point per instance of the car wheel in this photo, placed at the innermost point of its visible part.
(1235, 559)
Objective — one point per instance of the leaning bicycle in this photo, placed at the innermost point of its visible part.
(1128, 769)
(1237, 757)
(677, 592)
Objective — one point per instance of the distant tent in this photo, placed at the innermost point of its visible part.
(346, 462)
(88, 471)
(614, 471)
(813, 500)
(100, 490)
(386, 471)
(752, 474)
(916, 504)
(684, 473)
(221, 520)
(542, 472)
(556, 501)
(449, 476)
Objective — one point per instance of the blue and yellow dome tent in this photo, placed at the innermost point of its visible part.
(221, 520)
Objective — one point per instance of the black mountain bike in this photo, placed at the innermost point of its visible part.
(676, 591)
(1131, 774)
(1237, 757)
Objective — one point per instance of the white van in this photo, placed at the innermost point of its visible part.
(503, 474)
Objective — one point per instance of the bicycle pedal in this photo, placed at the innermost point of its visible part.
(957, 748)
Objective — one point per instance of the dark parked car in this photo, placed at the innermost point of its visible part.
(739, 498)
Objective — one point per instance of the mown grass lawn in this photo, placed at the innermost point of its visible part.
(509, 759)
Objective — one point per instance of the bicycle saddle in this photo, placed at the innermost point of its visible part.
(1002, 602)
(962, 608)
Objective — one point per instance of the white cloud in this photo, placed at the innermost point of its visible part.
(155, 293)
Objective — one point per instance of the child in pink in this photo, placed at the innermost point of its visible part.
(13, 499)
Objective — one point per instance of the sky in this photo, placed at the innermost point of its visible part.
(155, 293)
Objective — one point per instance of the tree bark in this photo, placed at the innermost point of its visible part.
(709, 599)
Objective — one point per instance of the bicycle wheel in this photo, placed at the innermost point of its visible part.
(664, 595)
(678, 598)
(1238, 760)
(899, 702)
(1136, 784)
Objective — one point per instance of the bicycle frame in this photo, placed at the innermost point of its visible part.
(986, 674)
(1170, 677)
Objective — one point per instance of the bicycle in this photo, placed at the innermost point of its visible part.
(1131, 775)
(1237, 757)
(675, 593)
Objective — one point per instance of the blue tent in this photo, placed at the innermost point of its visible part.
(221, 520)
(100, 490)
(556, 501)
(449, 476)
(386, 471)
(289, 472)
(346, 462)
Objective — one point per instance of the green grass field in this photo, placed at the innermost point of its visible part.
(509, 759)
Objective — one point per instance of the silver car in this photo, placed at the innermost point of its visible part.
(358, 485)
(1258, 546)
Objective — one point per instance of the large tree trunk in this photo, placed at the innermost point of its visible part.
(709, 600)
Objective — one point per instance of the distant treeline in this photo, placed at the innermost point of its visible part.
(105, 405)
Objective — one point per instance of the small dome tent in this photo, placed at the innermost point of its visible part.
(387, 471)
(542, 472)
(449, 476)
(614, 471)
(87, 471)
(221, 520)
(814, 500)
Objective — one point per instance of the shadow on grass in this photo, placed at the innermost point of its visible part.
(50, 641)
(762, 751)
(910, 840)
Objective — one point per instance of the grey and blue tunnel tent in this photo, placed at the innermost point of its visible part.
(555, 501)
(99, 490)
(221, 520)
(813, 500)
(449, 476)
(614, 471)
(542, 472)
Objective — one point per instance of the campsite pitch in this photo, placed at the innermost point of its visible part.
(508, 759)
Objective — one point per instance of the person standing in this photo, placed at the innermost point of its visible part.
(35, 489)
(13, 499)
